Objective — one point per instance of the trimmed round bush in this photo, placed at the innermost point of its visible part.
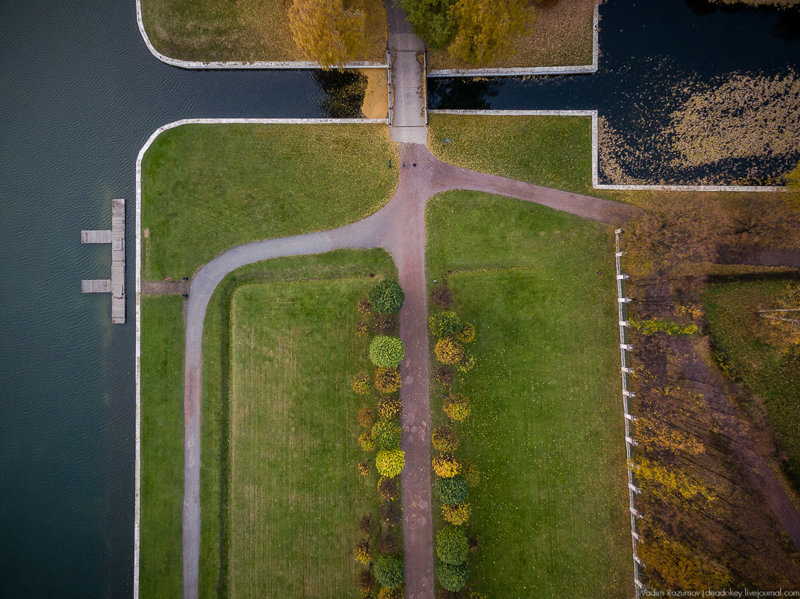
(457, 514)
(386, 434)
(366, 417)
(452, 546)
(388, 570)
(387, 297)
(442, 296)
(448, 351)
(388, 489)
(390, 462)
(386, 351)
(456, 406)
(389, 407)
(360, 383)
(451, 576)
(366, 441)
(388, 380)
(444, 438)
(444, 324)
(450, 491)
(445, 465)
(467, 333)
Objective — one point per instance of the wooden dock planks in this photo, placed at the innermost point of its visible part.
(116, 284)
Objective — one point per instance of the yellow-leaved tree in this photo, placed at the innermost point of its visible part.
(330, 32)
(486, 29)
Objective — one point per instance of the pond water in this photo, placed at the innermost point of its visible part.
(80, 95)
(653, 56)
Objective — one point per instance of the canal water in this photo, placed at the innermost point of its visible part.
(80, 94)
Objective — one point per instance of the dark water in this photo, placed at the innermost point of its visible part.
(650, 50)
(80, 94)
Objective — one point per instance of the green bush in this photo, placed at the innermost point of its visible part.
(444, 438)
(432, 20)
(386, 434)
(453, 577)
(444, 324)
(387, 380)
(450, 491)
(390, 462)
(452, 546)
(360, 383)
(388, 570)
(448, 351)
(386, 351)
(386, 297)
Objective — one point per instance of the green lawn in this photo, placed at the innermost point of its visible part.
(207, 188)
(313, 297)
(246, 30)
(162, 446)
(750, 354)
(546, 428)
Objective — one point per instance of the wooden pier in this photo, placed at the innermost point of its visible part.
(116, 284)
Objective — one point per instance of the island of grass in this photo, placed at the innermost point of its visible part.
(280, 493)
(243, 31)
(546, 429)
(207, 188)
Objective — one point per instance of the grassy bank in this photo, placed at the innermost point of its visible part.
(227, 561)
(560, 35)
(207, 188)
(760, 356)
(546, 426)
(162, 446)
(247, 30)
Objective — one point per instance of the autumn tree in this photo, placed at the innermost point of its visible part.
(330, 32)
(485, 30)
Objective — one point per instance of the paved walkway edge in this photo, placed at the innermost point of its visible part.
(522, 71)
(236, 64)
(138, 318)
(595, 148)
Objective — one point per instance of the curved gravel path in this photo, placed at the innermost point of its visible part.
(399, 228)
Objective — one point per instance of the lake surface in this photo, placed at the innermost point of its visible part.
(80, 95)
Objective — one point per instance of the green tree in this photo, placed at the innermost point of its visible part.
(485, 30)
(432, 20)
(450, 491)
(386, 297)
(329, 32)
(388, 570)
(386, 434)
(386, 351)
(444, 324)
(451, 545)
(452, 577)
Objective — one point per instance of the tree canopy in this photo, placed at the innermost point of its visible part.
(330, 32)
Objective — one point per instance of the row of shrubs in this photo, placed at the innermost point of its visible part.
(454, 476)
(379, 546)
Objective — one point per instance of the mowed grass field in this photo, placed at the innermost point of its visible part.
(246, 30)
(546, 429)
(751, 354)
(161, 446)
(296, 496)
(207, 188)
